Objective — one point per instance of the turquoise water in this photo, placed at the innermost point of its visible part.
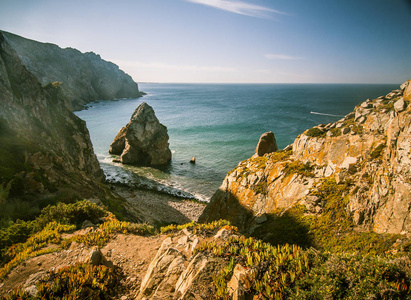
(219, 124)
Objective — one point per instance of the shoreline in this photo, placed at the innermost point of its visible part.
(159, 208)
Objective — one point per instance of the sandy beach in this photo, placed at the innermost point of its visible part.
(159, 208)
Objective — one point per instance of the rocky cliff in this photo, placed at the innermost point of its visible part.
(45, 149)
(84, 77)
(354, 174)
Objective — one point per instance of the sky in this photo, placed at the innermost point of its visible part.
(229, 41)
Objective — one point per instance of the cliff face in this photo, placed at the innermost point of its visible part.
(84, 77)
(44, 147)
(361, 162)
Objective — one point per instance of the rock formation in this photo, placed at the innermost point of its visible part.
(364, 156)
(143, 141)
(266, 144)
(84, 77)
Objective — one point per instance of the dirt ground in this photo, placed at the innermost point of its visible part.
(131, 253)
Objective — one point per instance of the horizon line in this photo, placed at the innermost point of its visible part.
(173, 82)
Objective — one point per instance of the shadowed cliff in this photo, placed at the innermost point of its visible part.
(45, 150)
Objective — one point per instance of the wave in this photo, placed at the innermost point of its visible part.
(324, 114)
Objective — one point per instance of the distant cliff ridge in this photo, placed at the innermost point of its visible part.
(354, 173)
(84, 77)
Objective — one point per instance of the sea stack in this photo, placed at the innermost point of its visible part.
(143, 141)
(266, 144)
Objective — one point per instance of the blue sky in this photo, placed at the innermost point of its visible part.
(229, 41)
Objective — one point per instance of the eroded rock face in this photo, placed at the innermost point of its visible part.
(143, 141)
(176, 273)
(369, 149)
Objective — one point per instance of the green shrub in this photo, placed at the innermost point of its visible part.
(79, 281)
(297, 167)
(72, 213)
(336, 131)
(68, 214)
(289, 272)
(102, 235)
(315, 132)
(351, 276)
(208, 228)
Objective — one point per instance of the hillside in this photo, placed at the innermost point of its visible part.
(88, 254)
(84, 77)
(338, 179)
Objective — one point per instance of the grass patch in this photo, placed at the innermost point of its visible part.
(105, 231)
(80, 281)
(356, 128)
(197, 228)
(24, 239)
(297, 167)
(336, 131)
(290, 272)
(315, 132)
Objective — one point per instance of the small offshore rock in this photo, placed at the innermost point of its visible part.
(266, 144)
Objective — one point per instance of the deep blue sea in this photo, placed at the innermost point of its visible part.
(219, 124)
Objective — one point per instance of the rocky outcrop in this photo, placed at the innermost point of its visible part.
(44, 148)
(364, 155)
(83, 77)
(143, 141)
(266, 144)
(176, 272)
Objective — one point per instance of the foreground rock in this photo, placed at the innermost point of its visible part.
(364, 156)
(143, 141)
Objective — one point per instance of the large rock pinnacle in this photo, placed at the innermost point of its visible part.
(143, 141)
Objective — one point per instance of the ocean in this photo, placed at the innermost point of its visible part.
(219, 124)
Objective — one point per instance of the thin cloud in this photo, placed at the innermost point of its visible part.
(239, 7)
(158, 65)
(282, 57)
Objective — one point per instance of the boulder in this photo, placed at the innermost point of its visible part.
(95, 257)
(407, 90)
(399, 105)
(143, 141)
(235, 286)
(266, 144)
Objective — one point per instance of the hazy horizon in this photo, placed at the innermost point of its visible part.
(229, 41)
